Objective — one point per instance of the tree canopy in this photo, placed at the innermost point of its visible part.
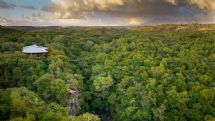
(163, 73)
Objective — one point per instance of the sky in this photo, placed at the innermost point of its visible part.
(105, 12)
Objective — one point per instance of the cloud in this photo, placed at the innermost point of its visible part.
(180, 10)
(70, 8)
(35, 19)
(120, 12)
(5, 5)
(27, 18)
(135, 21)
(27, 21)
(4, 20)
(40, 16)
(31, 7)
(173, 2)
(203, 4)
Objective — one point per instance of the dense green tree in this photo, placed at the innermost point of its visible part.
(102, 83)
(86, 117)
(148, 73)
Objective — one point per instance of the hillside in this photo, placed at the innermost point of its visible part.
(152, 73)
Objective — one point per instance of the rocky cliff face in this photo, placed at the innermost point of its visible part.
(74, 104)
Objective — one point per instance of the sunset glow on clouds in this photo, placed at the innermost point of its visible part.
(105, 12)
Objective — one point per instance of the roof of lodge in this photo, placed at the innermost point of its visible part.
(34, 49)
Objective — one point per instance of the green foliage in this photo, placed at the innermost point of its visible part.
(51, 89)
(86, 117)
(161, 73)
(102, 83)
(4, 104)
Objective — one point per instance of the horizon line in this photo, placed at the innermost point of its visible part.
(108, 25)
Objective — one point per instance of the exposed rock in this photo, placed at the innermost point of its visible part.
(74, 104)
